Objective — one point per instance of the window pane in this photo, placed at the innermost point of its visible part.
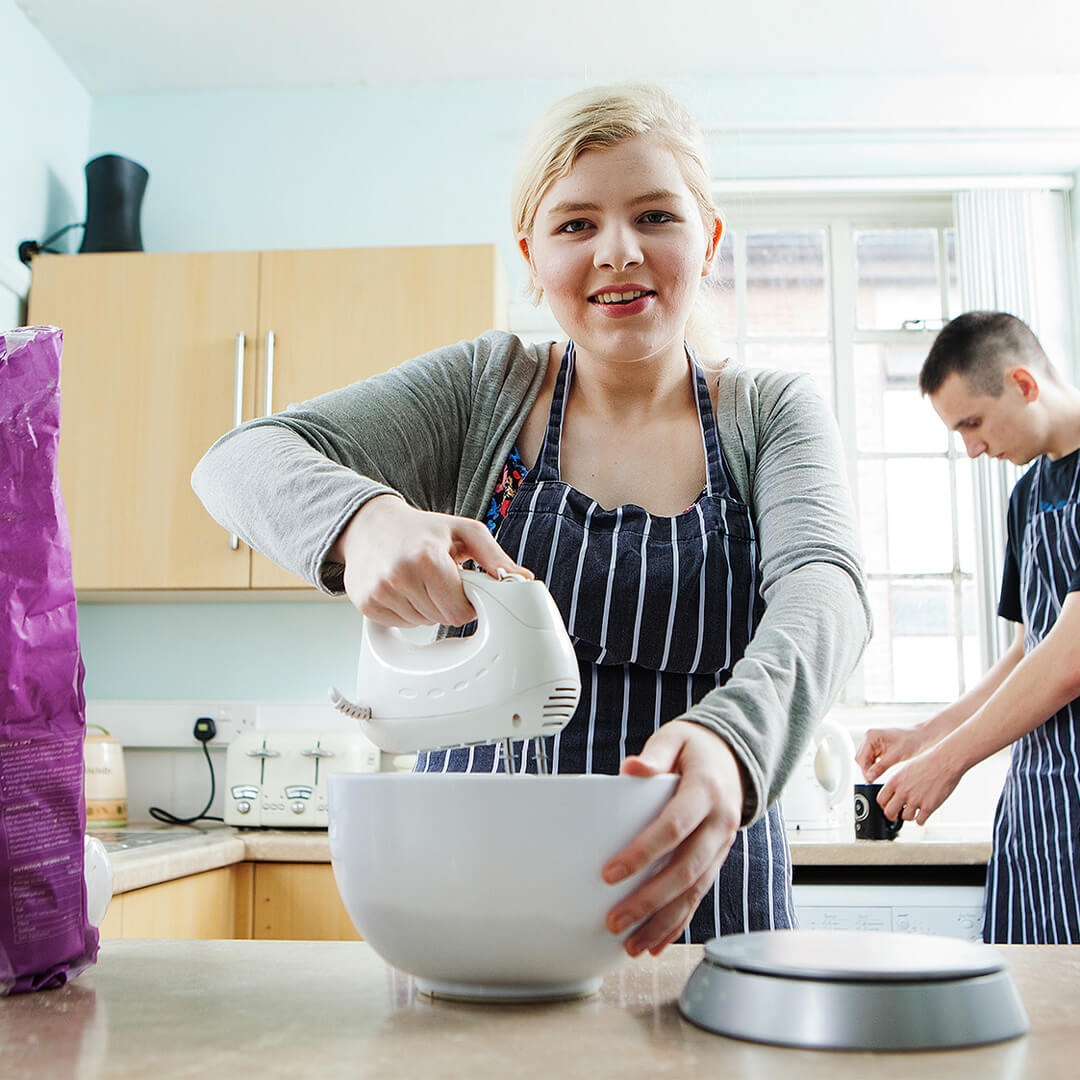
(953, 270)
(810, 357)
(877, 661)
(973, 668)
(912, 656)
(890, 413)
(785, 283)
(905, 516)
(921, 610)
(897, 278)
(965, 519)
(925, 669)
(968, 614)
(718, 291)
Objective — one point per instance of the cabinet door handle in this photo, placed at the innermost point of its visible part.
(238, 407)
(269, 408)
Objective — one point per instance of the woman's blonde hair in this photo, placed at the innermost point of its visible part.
(599, 118)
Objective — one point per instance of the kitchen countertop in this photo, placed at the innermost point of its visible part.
(156, 853)
(147, 854)
(931, 845)
(172, 1009)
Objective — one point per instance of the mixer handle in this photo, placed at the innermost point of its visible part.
(398, 650)
(496, 600)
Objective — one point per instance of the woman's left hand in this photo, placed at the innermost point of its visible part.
(696, 827)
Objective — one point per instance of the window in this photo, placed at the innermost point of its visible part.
(852, 291)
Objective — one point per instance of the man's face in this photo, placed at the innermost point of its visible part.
(1002, 427)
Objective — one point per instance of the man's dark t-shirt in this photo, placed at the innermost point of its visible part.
(1058, 480)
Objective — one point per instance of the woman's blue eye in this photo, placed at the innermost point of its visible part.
(574, 226)
(656, 217)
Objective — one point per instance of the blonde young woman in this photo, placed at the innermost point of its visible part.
(694, 529)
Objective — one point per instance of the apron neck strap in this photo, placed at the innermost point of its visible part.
(548, 464)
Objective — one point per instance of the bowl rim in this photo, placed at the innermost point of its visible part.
(600, 779)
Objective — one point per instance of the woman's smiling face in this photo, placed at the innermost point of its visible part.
(619, 248)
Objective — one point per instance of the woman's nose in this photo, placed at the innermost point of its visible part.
(617, 249)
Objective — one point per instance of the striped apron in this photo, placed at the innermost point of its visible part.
(659, 610)
(1032, 886)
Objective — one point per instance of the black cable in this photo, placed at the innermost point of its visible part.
(171, 819)
(29, 248)
(60, 232)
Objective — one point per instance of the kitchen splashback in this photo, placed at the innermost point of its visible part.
(254, 651)
(156, 724)
(165, 764)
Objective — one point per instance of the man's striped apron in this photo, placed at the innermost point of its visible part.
(1032, 893)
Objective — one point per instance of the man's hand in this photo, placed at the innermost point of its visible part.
(882, 748)
(921, 786)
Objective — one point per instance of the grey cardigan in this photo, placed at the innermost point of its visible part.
(438, 429)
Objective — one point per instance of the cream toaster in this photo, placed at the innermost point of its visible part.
(278, 778)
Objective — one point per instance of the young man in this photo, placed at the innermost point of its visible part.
(988, 379)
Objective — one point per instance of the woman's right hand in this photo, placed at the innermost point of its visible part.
(882, 748)
(402, 564)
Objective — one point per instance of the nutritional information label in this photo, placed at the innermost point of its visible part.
(40, 789)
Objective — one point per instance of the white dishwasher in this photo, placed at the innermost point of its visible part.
(950, 910)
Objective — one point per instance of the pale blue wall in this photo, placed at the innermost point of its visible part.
(44, 130)
(252, 170)
(432, 164)
(257, 651)
(44, 125)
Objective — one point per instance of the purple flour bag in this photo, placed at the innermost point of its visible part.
(45, 938)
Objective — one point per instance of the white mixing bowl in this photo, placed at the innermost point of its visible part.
(488, 886)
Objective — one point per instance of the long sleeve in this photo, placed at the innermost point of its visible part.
(431, 430)
(785, 451)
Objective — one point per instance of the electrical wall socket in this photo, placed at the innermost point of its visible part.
(169, 724)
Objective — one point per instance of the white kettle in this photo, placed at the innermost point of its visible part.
(818, 794)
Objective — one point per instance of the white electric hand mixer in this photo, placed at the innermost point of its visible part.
(516, 677)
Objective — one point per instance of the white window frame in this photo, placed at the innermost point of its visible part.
(841, 215)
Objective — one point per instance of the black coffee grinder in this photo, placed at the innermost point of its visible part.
(115, 187)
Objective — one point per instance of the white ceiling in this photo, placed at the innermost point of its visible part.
(156, 46)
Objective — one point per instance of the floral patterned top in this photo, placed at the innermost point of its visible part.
(513, 473)
(509, 481)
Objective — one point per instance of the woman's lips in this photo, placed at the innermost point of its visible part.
(610, 302)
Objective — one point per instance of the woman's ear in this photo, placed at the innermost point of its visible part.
(713, 246)
(523, 247)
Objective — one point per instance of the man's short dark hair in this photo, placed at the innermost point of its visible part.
(980, 345)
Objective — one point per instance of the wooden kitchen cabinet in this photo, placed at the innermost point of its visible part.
(299, 902)
(266, 900)
(147, 384)
(213, 904)
(339, 316)
(154, 370)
